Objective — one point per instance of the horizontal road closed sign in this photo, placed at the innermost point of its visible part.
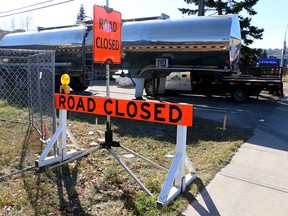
(167, 113)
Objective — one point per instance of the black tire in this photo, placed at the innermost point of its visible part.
(76, 85)
(57, 83)
(239, 95)
(151, 87)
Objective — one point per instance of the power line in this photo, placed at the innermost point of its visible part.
(25, 7)
(51, 5)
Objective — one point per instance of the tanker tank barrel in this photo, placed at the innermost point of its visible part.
(151, 46)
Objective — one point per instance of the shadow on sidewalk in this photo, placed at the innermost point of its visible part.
(272, 133)
(210, 209)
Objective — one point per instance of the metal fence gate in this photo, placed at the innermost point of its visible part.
(27, 88)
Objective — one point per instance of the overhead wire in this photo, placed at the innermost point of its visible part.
(38, 8)
(20, 8)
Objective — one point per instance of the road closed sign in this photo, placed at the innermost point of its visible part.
(166, 113)
(107, 35)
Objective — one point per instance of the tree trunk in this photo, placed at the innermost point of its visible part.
(201, 8)
(219, 7)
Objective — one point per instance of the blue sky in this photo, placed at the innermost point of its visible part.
(272, 15)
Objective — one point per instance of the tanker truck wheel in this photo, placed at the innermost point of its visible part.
(151, 87)
(76, 85)
(57, 83)
(239, 95)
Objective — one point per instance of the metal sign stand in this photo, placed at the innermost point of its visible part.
(108, 144)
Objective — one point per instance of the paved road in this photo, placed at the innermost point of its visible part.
(247, 115)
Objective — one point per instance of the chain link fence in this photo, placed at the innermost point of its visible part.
(27, 88)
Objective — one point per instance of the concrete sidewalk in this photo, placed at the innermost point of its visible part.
(256, 180)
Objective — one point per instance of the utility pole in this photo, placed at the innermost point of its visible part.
(283, 53)
(201, 7)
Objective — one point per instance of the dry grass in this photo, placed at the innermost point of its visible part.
(285, 78)
(97, 184)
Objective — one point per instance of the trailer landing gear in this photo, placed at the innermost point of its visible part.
(151, 87)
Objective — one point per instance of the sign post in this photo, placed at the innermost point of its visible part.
(107, 44)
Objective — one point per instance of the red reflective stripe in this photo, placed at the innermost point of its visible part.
(217, 83)
(175, 47)
(278, 85)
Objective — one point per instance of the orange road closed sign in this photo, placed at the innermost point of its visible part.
(107, 35)
(167, 113)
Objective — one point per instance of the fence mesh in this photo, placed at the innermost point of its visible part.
(27, 88)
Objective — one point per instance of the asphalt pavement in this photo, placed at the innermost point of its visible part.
(214, 107)
(256, 180)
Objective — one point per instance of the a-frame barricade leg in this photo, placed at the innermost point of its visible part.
(176, 180)
(59, 139)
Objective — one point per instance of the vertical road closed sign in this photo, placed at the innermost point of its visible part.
(107, 35)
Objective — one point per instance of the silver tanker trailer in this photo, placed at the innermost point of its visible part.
(72, 55)
(151, 49)
(205, 46)
(208, 48)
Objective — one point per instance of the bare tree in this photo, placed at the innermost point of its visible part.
(22, 23)
(12, 24)
(26, 22)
